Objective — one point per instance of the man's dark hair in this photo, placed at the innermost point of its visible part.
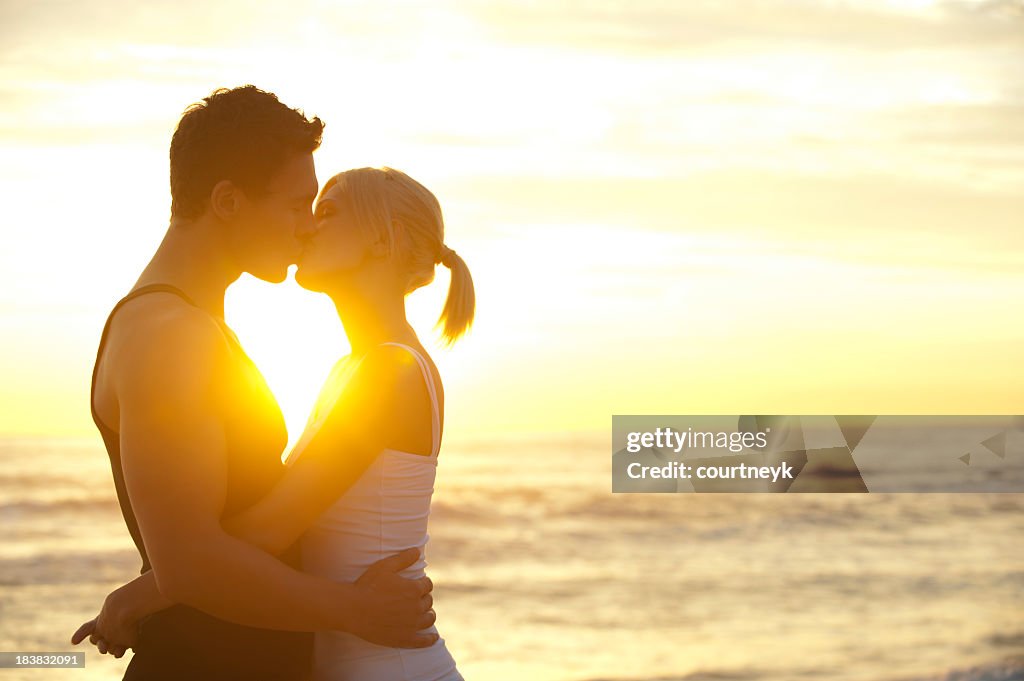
(244, 135)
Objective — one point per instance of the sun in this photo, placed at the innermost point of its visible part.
(293, 335)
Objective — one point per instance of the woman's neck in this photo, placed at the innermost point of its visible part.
(372, 316)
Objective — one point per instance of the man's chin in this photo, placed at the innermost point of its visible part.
(275, 276)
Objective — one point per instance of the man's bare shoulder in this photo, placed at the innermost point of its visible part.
(162, 342)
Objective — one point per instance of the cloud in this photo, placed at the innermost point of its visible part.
(880, 217)
(667, 27)
(959, 126)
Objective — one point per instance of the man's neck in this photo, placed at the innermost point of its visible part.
(193, 257)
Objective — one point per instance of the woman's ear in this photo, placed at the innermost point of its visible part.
(402, 241)
(379, 247)
(225, 199)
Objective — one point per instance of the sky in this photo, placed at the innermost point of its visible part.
(808, 207)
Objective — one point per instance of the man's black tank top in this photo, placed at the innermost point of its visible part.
(182, 642)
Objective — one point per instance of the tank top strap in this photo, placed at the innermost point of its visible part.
(435, 410)
(156, 288)
(142, 290)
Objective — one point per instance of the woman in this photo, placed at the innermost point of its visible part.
(362, 475)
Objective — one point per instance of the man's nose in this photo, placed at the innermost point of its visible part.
(306, 227)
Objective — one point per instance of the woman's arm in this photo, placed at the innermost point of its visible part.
(354, 433)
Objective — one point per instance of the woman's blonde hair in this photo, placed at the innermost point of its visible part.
(404, 214)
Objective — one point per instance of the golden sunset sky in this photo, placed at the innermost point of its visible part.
(668, 207)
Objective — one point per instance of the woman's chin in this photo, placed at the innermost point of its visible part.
(307, 279)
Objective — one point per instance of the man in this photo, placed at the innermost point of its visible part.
(194, 435)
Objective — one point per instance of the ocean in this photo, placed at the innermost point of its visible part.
(542, 573)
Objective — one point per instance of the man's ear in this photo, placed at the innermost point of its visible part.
(225, 199)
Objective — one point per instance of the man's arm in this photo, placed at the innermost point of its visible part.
(115, 628)
(174, 458)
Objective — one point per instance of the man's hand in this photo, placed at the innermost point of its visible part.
(389, 610)
(89, 629)
(112, 631)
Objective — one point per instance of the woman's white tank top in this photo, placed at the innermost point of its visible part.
(384, 512)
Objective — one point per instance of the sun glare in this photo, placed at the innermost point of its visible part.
(294, 337)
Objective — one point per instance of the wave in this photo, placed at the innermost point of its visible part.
(97, 567)
(1009, 669)
(1010, 640)
(13, 509)
(750, 675)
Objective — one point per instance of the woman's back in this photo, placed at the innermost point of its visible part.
(384, 512)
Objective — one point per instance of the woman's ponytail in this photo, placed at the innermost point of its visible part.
(457, 315)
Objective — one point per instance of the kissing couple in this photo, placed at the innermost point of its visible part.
(252, 568)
